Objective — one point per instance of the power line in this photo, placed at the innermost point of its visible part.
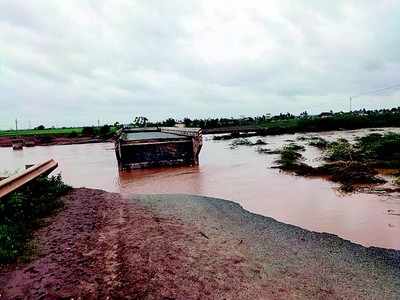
(372, 92)
(377, 90)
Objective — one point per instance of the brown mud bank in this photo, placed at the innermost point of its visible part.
(190, 247)
(51, 141)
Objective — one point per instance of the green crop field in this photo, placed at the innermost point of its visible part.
(44, 132)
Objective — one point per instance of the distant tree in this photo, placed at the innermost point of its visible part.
(140, 121)
(73, 134)
(40, 127)
(187, 122)
(88, 130)
(104, 130)
(169, 122)
(304, 114)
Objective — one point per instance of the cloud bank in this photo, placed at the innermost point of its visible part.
(73, 62)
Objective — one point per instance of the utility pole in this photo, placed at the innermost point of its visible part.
(350, 103)
(98, 123)
(16, 125)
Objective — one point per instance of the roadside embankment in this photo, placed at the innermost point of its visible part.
(191, 247)
(50, 141)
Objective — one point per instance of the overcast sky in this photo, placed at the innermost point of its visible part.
(76, 61)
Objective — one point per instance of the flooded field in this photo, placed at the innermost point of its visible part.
(241, 175)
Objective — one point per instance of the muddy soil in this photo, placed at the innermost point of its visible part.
(102, 246)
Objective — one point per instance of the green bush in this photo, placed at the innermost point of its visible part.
(319, 143)
(289, 157)
(378, 146)
(295, 147)
(21, 212)
(73, 134)
(88, 131)
(105, 130)
(340, 150)
(241, 142)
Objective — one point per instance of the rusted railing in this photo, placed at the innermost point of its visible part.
(16, 181)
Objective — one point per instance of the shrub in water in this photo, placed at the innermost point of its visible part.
(340, 150)
(289, 157)
(378, 146)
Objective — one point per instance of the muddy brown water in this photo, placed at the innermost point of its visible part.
(241, 175)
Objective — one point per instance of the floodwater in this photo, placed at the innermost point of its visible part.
(240, 175)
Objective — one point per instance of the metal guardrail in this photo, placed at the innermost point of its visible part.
(16, 181)
(193, 132)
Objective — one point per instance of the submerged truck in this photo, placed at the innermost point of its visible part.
(157, 146)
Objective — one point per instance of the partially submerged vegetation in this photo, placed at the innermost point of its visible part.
(246, 142)
(22, 212)
(289, 157)
(340, 150)
(346, 163)
(318, 142)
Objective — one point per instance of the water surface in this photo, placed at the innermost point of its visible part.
(241, 175)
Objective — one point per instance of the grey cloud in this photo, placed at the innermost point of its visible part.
(72, 62)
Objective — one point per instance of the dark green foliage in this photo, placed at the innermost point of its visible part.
(140, 121)
(349, 174)
(187, 122)
(340, 150)
(378, 146)
(241, 142)
(289, 157)
(319, 143)
(88, 131)
(246, 142)
(288, 123)
(73, 134)
(105, 130)
(335, 121)
(375, 149)
(348, 166)
(21, 212)
(169, 122)
(295, 147)
(40, 127)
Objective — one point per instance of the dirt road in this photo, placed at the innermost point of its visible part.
(185, 247)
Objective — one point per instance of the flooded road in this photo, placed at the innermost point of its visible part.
(241, 175)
